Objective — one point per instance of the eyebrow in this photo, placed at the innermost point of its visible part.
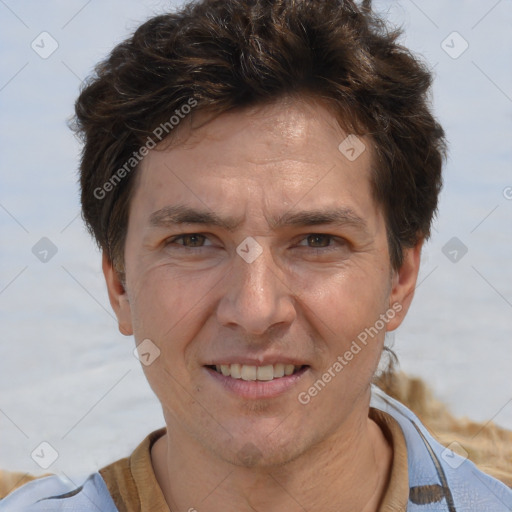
(181, 214)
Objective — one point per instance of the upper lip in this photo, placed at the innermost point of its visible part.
(256, 361)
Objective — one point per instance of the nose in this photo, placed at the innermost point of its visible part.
(257, 297)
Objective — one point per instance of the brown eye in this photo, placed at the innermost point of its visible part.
(191, 240)
(318, 240)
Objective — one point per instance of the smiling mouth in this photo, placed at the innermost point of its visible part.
(260, 373)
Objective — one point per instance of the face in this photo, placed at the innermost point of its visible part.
(257, 265)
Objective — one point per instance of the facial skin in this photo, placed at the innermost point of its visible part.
(303, 299)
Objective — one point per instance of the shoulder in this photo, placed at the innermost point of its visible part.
(54, 493)
(438, 472)
(486, 444)
(115, 487)
(11, 480)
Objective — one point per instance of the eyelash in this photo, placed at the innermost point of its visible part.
(181, 237)
(332, 241)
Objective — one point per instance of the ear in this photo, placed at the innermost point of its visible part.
(118, 297)
(403, 285)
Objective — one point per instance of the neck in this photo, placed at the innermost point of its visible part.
(348, 471)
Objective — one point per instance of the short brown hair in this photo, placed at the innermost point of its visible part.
(230, 54)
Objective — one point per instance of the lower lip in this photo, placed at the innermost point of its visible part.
(257, 389)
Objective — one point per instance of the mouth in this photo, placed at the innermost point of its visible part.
(256, 373)
(257, 382)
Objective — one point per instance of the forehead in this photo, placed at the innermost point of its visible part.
(279, 156)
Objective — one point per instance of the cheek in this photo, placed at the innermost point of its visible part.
(345, 300)
(169, 305)
(168, 310)
(346, 308)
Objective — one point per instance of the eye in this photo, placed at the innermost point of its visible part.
(189, 240)
(318, 240)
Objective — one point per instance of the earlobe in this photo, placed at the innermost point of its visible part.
(118, 296)
(403, 284)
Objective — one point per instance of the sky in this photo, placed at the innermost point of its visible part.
(67, 377)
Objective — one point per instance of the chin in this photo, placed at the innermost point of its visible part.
(260, 454)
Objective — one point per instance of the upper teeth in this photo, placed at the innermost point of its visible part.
(249, 372)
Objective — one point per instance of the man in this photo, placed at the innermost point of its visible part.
(261, 176)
